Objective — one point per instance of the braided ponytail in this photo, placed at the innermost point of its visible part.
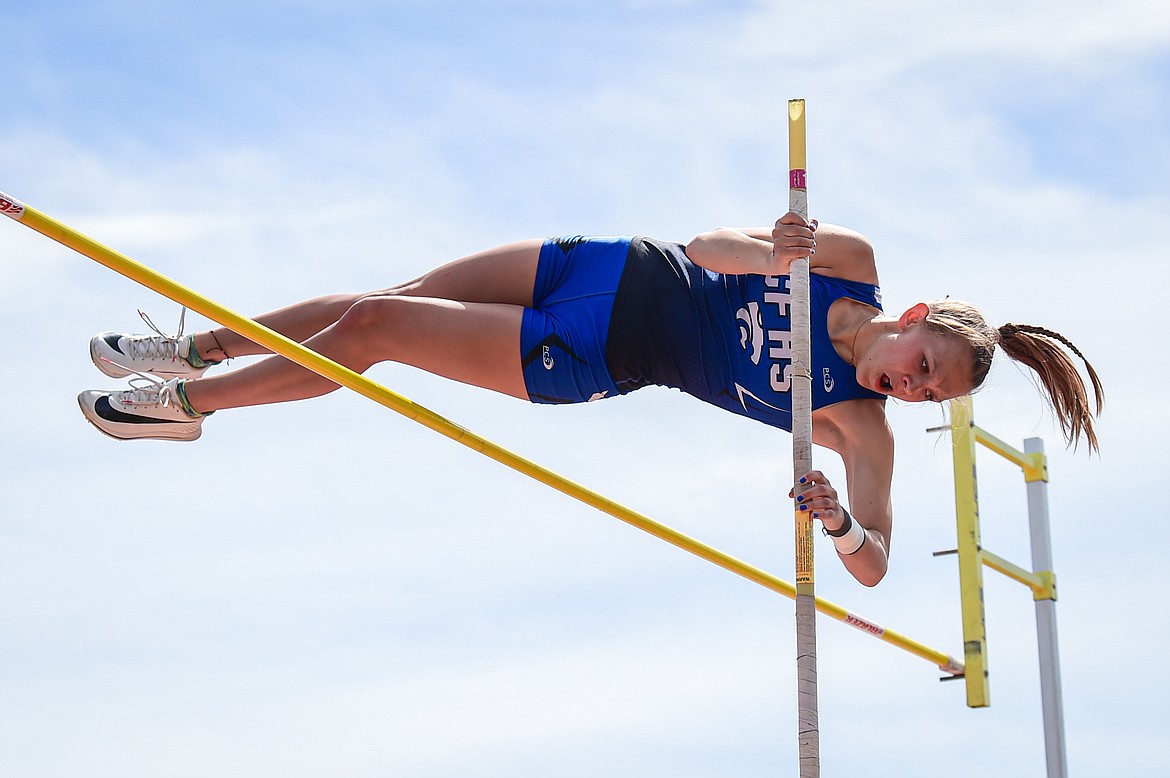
(1036, 347)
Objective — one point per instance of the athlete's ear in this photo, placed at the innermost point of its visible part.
(913, 315)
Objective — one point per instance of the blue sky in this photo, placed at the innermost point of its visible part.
(325, 588)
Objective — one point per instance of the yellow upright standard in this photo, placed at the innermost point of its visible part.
(970, 554)
(1041, 579)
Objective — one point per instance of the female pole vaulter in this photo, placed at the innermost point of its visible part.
(577, 319)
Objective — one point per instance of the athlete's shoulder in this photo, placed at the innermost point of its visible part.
(829, 289)
(844, 253)
(853, 423)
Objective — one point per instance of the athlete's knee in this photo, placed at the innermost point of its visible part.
(371, 314)
(368, 331)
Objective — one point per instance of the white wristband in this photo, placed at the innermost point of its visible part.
(852, 540)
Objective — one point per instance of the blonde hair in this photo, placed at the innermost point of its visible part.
(1036, 347)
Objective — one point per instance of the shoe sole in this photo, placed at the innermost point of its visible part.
(90, 414)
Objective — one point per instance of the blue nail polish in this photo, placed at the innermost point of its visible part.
(803, 479)
(800, 498)
(816, 515)
(804, 507)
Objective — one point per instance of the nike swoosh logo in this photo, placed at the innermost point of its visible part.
(110, 413)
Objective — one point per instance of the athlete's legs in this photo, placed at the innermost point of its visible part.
(461, 321)
(500, 275)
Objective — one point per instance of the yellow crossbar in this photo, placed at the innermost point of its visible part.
(342, 375)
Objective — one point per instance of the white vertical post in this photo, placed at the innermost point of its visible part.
(1050, 694)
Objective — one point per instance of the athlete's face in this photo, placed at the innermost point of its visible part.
(915, 364)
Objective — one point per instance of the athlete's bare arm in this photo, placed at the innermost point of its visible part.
(839, 252)
(859, 432)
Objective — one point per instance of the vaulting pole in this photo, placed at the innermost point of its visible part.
(808, 725)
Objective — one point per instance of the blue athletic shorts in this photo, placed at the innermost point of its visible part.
(563, 335)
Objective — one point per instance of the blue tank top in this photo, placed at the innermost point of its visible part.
(724, 339)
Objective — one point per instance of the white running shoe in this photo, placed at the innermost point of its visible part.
(152, 411)
(119, 354)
